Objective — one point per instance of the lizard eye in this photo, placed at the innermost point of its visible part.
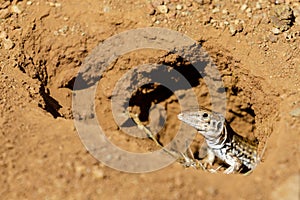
(205, 115)
(206, 118)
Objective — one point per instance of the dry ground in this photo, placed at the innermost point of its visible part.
(255, 44)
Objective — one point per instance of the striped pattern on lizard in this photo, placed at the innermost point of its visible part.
(236, 151)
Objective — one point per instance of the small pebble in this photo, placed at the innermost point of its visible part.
(3, 35)
(258, 6)
(216, 10)
(7, 44)
(98, 173)
(179, 7)
(163, 9)
(29, 3)
(225, 12)
(237, 21)
(239, 27)
(106, 9)
(232, 30)
(153, 19)
(57, 5)
(244, 7)
(275, 31)
(201, 2)
(277, 2)
(272, 38)
(15, 9)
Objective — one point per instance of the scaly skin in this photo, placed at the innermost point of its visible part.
(238, 152)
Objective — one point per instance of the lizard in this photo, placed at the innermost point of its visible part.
(222, 141)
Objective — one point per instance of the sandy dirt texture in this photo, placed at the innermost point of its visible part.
(254, 44)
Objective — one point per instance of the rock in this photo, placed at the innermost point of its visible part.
(15, 9)
(225, 12)
(179, 7)
(216, 10)
(244, 7)
(57, 5)
(98, 173)
(163, 9)
(249, 15)
(295, 112)
(275, 31)
(239, 27)
(80, 170)
(3, 35)
(272, 38)
(232, 30)
(235, 28)
(106, 9)
(277, 2)
(7, 43)
(258, 6)
(282, 17)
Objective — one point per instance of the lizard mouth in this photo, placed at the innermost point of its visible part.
(190, 120)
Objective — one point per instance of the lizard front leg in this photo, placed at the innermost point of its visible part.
(210, 157)
(209, 160)
(235, 164)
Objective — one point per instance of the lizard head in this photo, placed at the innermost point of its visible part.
(209, 124)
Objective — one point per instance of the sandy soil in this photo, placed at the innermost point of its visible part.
(255, 44)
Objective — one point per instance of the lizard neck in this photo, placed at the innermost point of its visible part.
(218, 141)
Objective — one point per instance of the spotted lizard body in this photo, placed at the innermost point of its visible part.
(238, 152)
